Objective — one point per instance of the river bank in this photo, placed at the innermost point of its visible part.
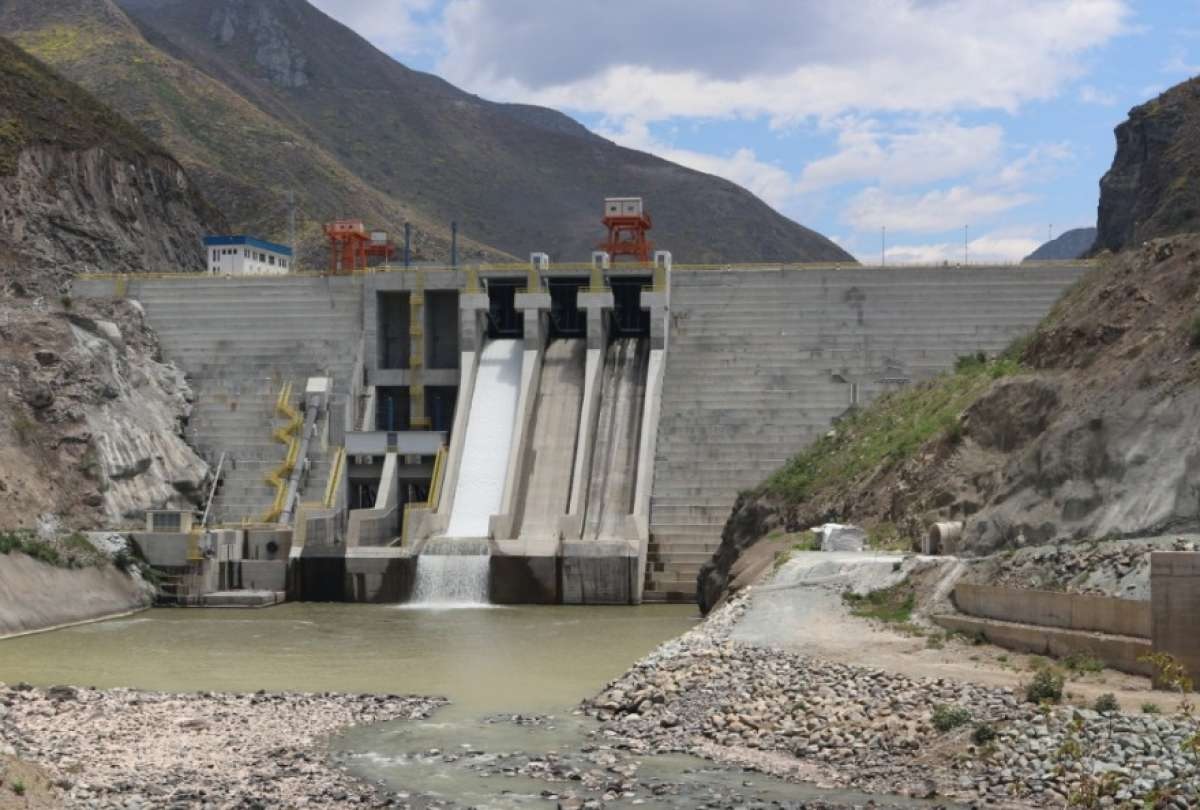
(875, 730)
(125, 748)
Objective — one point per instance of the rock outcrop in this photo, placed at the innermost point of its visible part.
(90, 417)
(1153, 187)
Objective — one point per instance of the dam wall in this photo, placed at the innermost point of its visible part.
(747, 365)
(760, 362)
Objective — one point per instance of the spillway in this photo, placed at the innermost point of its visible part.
(551, 456)
(452, 573)
(611, 485)
(480, 487)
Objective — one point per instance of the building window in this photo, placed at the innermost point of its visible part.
(166, 521)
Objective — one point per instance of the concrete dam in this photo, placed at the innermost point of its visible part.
(540, 434)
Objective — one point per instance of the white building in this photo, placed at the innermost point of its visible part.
(245, 256)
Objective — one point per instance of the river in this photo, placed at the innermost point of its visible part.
(514, 676)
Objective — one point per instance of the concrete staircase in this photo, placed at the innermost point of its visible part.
(239, 341)
(759, 363)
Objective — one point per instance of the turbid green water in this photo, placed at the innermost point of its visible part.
(487, 661)
(521, 659)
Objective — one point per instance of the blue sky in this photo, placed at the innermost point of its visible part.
(918, 116)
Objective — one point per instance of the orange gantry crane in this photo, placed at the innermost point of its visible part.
(351, 244)
(627, 224)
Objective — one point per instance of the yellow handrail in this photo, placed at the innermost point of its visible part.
(278, 477)
(435, 492)
(335, 476)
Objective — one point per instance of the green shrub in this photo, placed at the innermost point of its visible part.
(1151, 708)
(983, 734)
(1046, 686)
(18, 787)
(1107, 704)
(947, 717)
(1081, 663)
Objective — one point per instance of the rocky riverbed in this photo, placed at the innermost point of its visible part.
(878, 731)
(128, 749)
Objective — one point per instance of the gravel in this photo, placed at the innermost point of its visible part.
(872, 730)
(128, 749)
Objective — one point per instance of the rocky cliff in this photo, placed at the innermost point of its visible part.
(1153, 187)
(90, 417)
(1090, 429)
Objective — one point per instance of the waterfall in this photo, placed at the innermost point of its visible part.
(452, 574)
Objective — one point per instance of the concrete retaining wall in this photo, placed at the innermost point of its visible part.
(1118, 652)
(1068, 611)
(1175, 600)
(36, 596)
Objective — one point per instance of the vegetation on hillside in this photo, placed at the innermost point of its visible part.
(38, 105)
(891, 430)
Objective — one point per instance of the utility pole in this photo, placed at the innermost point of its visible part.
(966, 248)
(407, 244)
(292, 225)
(454, 244)
(1050, 232)
(883, 246)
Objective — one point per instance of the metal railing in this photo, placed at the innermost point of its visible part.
(435, 492)
(278, 477)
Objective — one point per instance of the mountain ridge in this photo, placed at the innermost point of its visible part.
(385, 143)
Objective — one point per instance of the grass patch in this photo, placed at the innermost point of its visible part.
(892, 605)
(71, 551)
(1082, 664)
(886, 537)
(889, 431)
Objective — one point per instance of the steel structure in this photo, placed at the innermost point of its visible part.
(627, 225)
(351, 245)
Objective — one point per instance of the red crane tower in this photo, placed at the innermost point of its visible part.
(350, 245)
(627, 225)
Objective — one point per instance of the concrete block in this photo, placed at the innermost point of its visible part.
(262, 575)
(387, 579)
(161, 549)
(522, 580)
(1175, 606)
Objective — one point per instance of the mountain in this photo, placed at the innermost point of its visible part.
(1068, 245)
(1153, 187)
(90, 417)
(259, 97)
(83, 189)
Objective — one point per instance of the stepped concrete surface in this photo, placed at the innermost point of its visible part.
(760, 363)
(239, 340)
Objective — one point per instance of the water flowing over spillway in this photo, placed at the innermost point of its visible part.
(618, 432)
(547, 486)
(480, 488)
(452, 573)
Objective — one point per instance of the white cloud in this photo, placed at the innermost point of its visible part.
(782, 59)
(1090, 94)
(402, 27)
(1000, 248)
(926, 152)
(768, 181)
(931, 212)
(1037, 164)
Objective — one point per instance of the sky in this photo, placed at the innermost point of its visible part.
(928, 129)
